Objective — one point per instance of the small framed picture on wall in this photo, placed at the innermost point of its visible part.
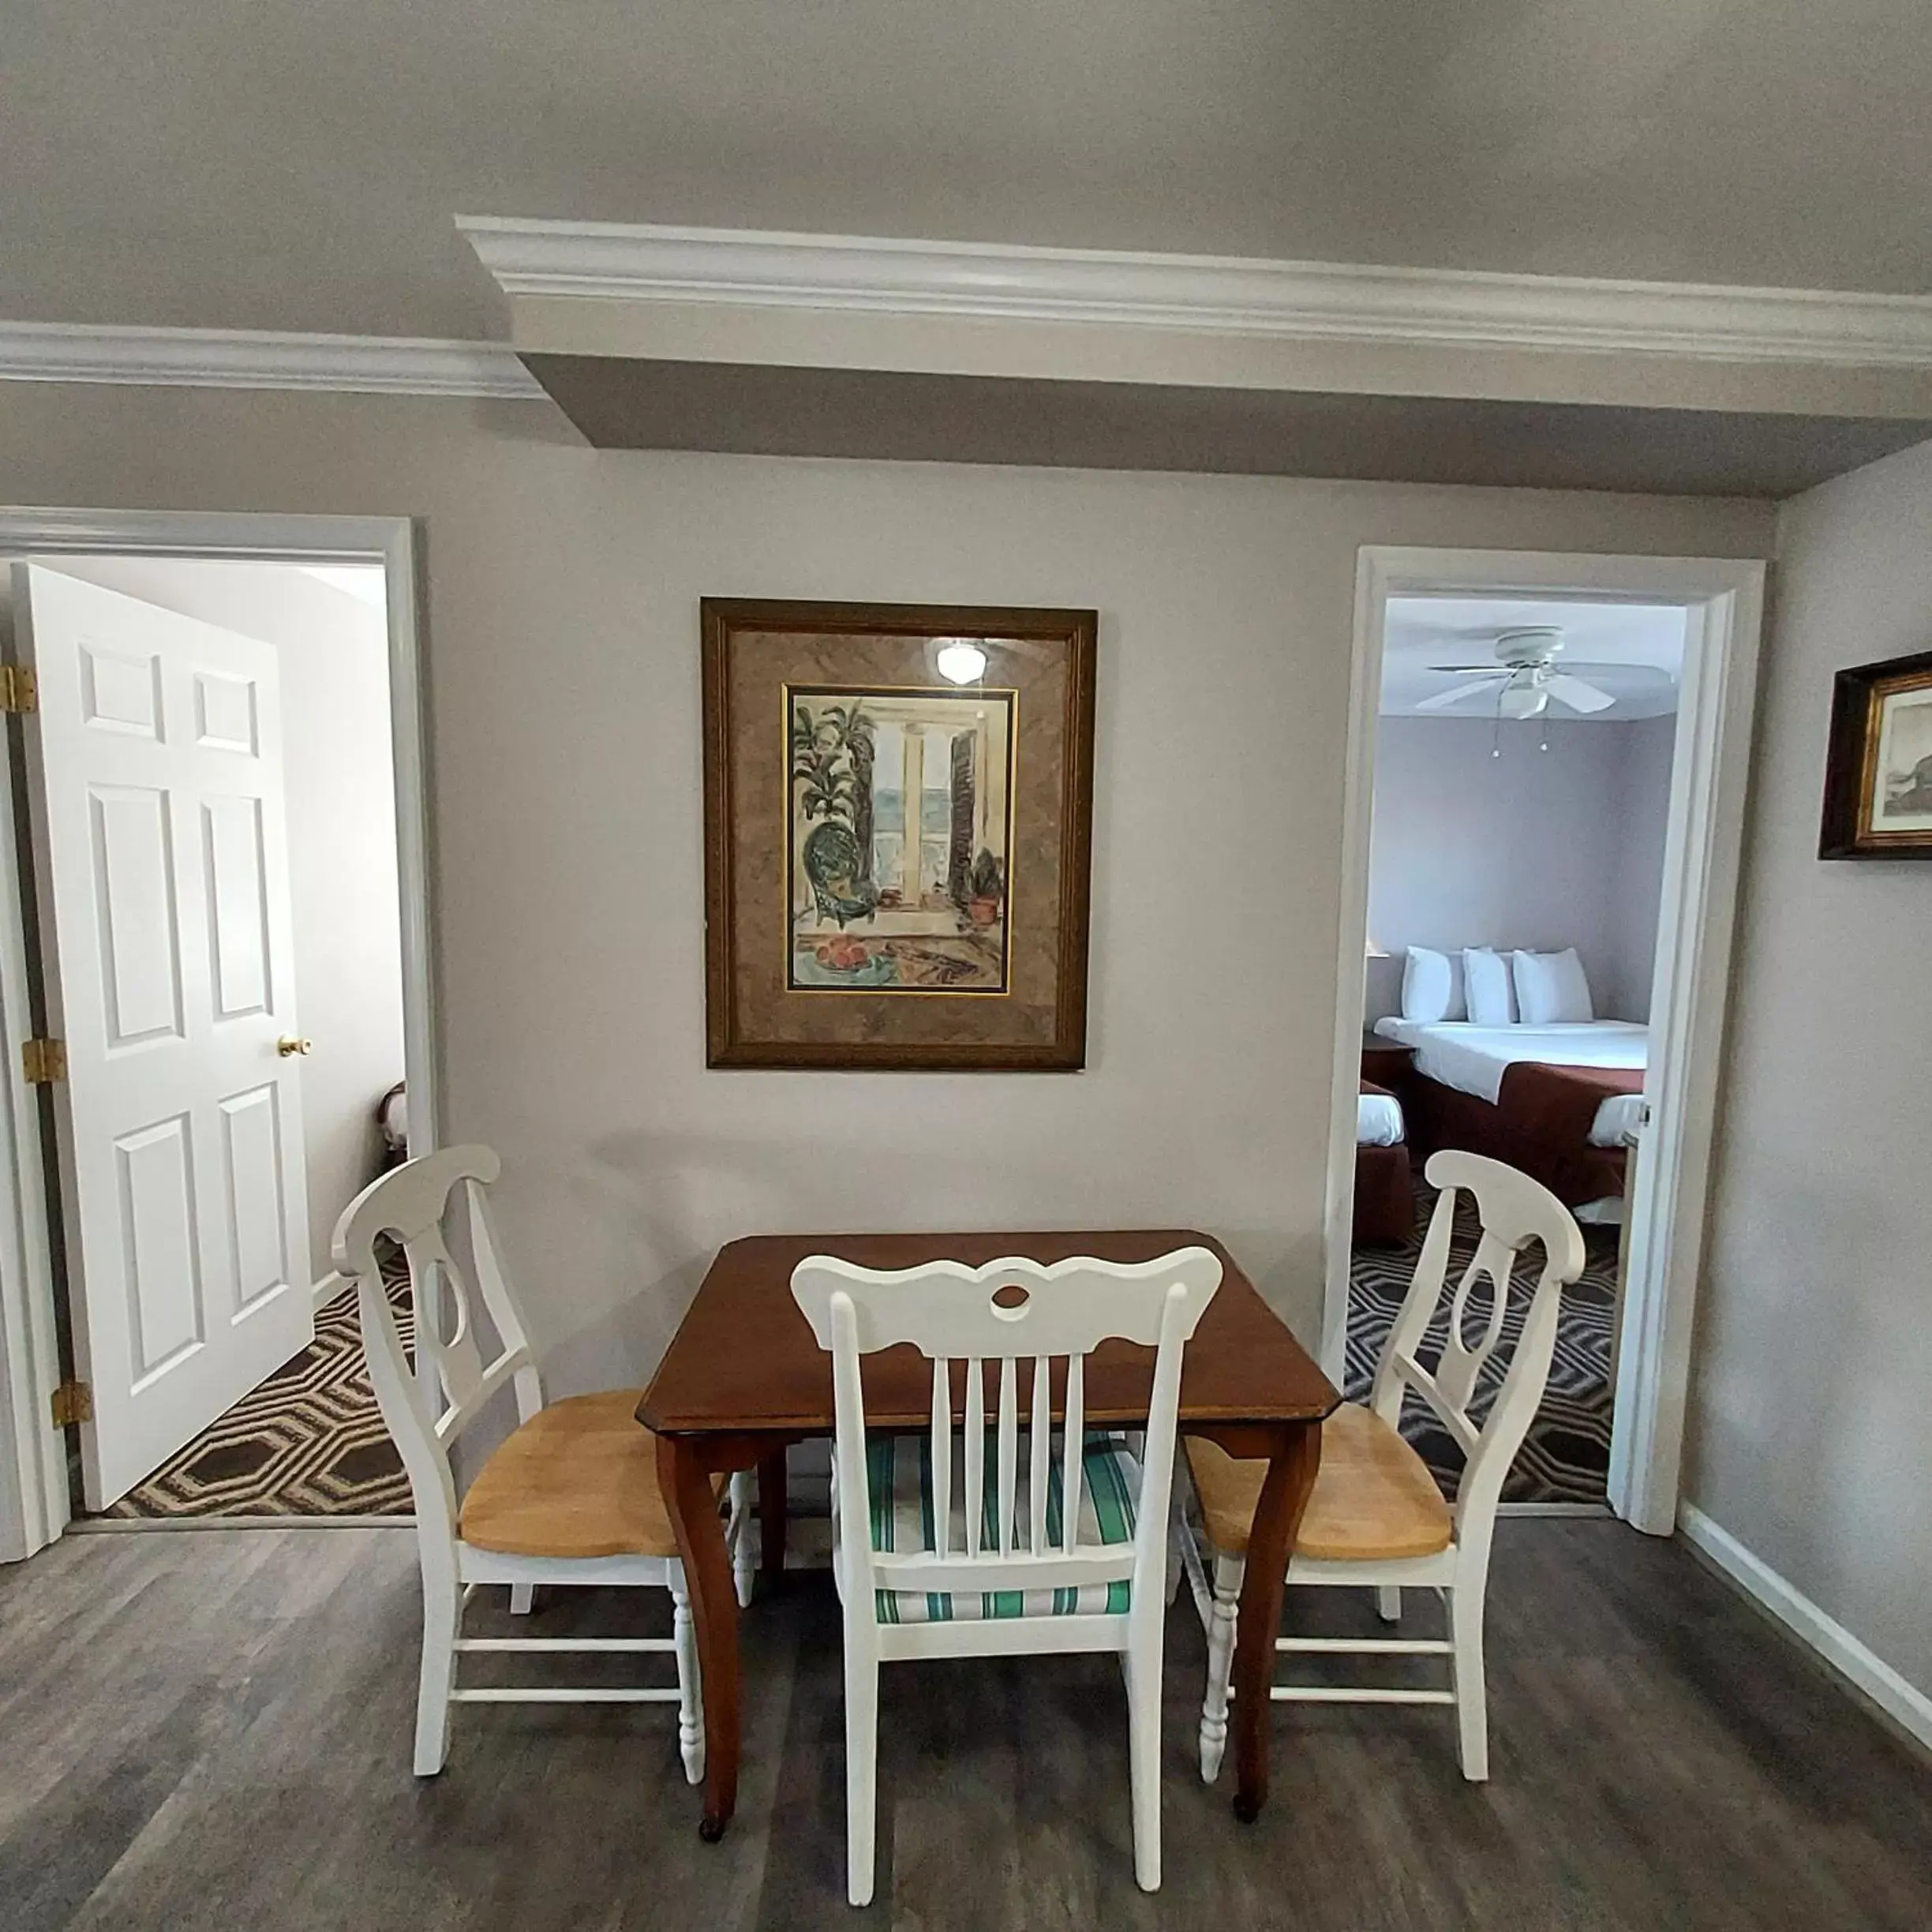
(1878, 768)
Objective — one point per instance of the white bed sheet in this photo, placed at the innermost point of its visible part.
(1473, 1060)
(1378, 1121)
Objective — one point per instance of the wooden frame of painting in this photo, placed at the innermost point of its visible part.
(1878, 766)
(898, 820)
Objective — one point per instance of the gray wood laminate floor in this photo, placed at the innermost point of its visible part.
(212, 1729)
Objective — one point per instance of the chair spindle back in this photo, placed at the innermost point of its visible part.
(1514, 1211)
(968, 1322)
(420, 1205)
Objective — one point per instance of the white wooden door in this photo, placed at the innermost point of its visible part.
(162, 863)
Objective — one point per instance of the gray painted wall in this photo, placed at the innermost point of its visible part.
(563, 585)
(1539, 849)
(1811, 1419)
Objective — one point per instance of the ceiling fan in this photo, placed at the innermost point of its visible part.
(1525, 678)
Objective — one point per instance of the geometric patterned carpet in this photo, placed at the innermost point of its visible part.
(309, 1442)
(1566, 1456)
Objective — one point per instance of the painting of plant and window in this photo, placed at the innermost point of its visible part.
(898, 839)
(898, 813)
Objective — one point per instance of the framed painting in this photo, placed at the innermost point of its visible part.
(898, 815)
(1878, 766)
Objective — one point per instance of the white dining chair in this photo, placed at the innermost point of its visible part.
(1376, 1516)
(569, 1498)
(1029, 1540)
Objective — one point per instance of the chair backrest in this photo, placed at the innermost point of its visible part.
(968, 1321)
(1514, 1211)
(422, 1205)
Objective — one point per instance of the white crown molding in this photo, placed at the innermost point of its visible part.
(1217, 295)
(260, 359)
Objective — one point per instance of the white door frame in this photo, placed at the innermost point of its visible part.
(1723, 600)
(34, 1503)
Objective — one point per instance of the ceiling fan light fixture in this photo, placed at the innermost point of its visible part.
(1528, 644)
(1523, 701)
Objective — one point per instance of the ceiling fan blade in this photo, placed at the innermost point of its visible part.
(1456, 693)
(1578, 695)
(1649, 674)
(1488, 670)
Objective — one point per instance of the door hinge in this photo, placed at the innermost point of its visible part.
(42, 1060)
(20, 690)
(73, 1401)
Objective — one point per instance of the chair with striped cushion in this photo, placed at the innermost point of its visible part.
(980, 1541)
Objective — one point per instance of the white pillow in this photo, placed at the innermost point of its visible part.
(1486, 976)
(1432, 986)
(1552, 988)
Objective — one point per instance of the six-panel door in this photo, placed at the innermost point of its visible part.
(162, 871)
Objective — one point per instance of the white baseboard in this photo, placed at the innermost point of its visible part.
(333, 1283)
(1867, 1673)
(1599, 1510)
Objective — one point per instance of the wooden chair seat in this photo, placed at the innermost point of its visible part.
(578, 1479)
(1374, 1498)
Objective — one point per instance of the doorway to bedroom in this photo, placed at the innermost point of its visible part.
(212, 947)
(1521, 793)
(1547, 759)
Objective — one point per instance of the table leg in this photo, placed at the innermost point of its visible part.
(771, 1486)
(692, 1504)
(1277, 1517)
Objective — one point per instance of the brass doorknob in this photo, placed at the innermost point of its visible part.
(289, 1044)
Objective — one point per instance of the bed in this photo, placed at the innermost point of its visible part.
(1384, 1192)
(1561, 1103)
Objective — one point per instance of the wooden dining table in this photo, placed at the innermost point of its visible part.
(743, 1379)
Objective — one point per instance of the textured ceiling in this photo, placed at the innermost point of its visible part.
(225, 163)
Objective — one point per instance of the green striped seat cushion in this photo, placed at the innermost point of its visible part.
(899, 1474)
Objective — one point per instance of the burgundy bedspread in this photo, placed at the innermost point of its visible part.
(1552, 1109)
(1384, 1193)
(1540, 1124)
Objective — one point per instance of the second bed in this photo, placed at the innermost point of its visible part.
(1563, 1103)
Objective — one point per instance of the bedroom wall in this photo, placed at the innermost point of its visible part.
(1636, 882)
(1811, 1424)
(339, 787)
(562, 586)
(1538, 849)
